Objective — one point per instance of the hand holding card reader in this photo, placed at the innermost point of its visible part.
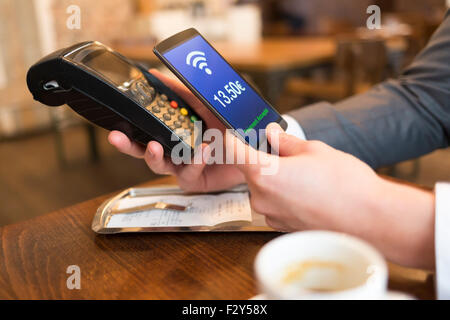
(114, 93)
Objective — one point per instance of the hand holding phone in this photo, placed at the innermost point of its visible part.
(197, 64)
(221, 88)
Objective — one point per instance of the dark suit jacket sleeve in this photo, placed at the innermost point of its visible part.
(396, 120)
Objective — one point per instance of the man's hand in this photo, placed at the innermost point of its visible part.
(194, 177)
(314, 183)
(318, 187)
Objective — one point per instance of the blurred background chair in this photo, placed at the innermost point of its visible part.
(64, 118)
(358, 65)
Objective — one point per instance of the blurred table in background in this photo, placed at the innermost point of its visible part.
(268, 62)
(35, 255)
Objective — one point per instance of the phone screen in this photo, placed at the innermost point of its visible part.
(230, 95)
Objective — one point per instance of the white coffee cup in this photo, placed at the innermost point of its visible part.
(321, 265)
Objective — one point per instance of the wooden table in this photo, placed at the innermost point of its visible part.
(35, 255)
(267, 55)
(268, 62)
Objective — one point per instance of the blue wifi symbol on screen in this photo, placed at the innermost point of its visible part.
(197, 58)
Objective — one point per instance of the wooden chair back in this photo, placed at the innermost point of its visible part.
(360, 61)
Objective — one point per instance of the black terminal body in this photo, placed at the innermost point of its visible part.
(115, 93)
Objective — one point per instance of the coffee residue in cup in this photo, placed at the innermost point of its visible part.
(297, 271)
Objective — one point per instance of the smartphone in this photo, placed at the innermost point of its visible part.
(217, 84)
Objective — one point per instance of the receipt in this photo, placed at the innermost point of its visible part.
(205, 210)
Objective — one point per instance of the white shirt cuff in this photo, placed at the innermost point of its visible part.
(442, 240)
(294, 127)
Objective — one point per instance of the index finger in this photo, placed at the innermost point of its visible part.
(125, 145)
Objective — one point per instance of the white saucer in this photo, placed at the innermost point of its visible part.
(391, 295)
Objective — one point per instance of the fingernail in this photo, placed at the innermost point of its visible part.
(274, 127)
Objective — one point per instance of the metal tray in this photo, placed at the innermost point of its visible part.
(103, 214)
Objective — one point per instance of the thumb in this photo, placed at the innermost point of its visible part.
(283, 143)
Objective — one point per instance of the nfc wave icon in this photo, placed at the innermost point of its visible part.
(198, 59)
